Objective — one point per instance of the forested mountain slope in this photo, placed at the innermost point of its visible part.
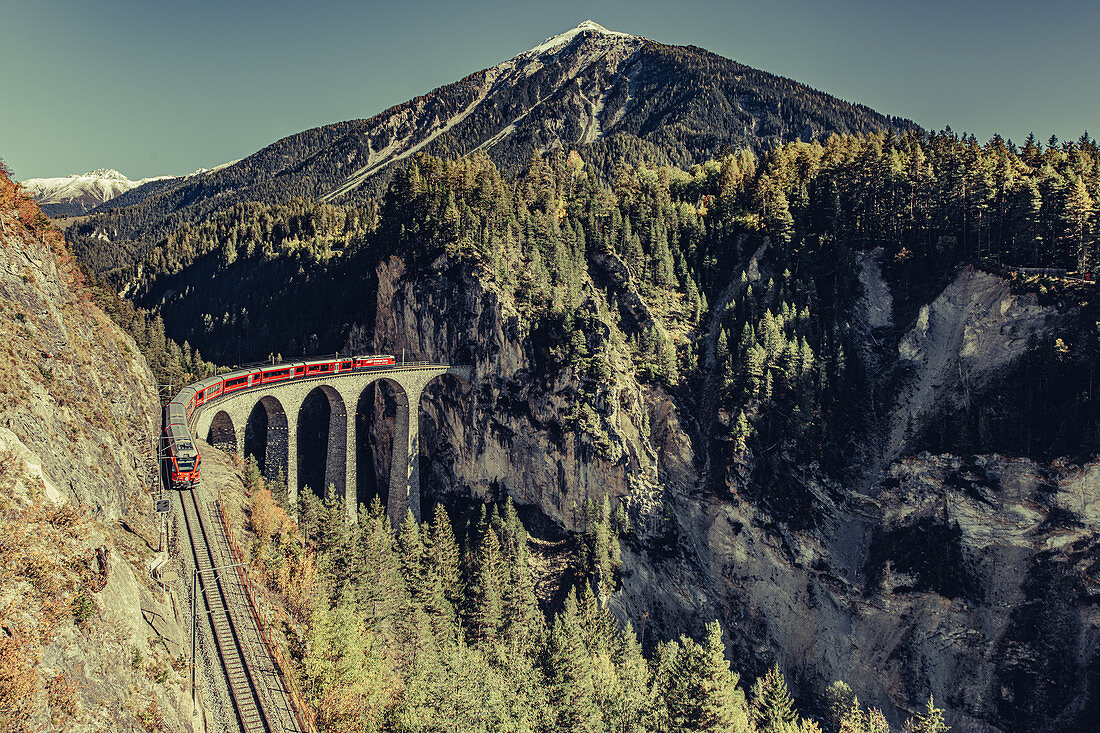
(609, 94)
(751, 357)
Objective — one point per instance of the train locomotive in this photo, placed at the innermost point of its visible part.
(180, 454)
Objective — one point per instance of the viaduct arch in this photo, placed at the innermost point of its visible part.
(266, 419)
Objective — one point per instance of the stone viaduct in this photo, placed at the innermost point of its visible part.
(224, 422)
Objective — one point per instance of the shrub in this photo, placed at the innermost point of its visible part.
(83, 607)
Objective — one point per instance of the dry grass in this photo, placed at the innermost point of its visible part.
(44, 570)
(61, 693)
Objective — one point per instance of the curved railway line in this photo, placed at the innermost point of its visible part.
(258, 693)
(244, 689)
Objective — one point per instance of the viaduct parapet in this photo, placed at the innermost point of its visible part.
(224, 423)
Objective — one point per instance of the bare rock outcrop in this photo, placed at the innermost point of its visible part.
(973, 329)
(101, 641)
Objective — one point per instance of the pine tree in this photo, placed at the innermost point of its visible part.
(772, 705)
(742, 431)
(702, 692)
(445, 556)
(626, 705)
(522, 624)
(928, 721)
(379, 589)
(567, 668)
(840, 701)
(484, 593)
(410, 549)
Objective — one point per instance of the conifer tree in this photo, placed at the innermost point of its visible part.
(379, 590)
(568, 673)
(840, 701)
(484, 594)
(772, 706)
(930, 720)
(410, 549)
(445, 556)
(702, 692)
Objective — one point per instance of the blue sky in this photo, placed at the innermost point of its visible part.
(154, 88)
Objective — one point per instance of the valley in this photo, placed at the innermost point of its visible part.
(768, 419)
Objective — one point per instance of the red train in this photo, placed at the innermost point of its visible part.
(183, 460)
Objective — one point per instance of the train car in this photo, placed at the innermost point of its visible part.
(239, 380)
(207, 390)
(183, 459)
(319, 368)
(174, 413)
(276, 373)
(186, 397)
(376, 360)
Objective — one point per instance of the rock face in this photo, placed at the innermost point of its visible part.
(967, 578)
(976, 327)
(78, 411)
(507, 435)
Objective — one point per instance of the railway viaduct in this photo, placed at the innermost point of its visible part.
(225, 423)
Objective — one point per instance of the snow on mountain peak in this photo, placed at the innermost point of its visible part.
(106, 173)
(555, 42)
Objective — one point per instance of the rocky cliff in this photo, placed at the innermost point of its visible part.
(968, 577)
(90, 641)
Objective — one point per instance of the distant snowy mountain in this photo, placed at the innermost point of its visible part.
(78, 194)
(74, 195)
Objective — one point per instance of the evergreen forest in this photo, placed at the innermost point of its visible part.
(427, 629)
(626, 275)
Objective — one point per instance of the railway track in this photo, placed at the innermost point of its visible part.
(244, 689)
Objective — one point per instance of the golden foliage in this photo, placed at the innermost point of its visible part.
(279, 554)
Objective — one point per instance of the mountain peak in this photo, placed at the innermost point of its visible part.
(106, 173)
(591, 25)
(587, 26)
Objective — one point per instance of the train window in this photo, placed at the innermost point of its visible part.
(346, 365)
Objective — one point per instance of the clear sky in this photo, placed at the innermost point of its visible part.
(152, 88)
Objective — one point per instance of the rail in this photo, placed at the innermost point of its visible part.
(243, 688)
(303, 713)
